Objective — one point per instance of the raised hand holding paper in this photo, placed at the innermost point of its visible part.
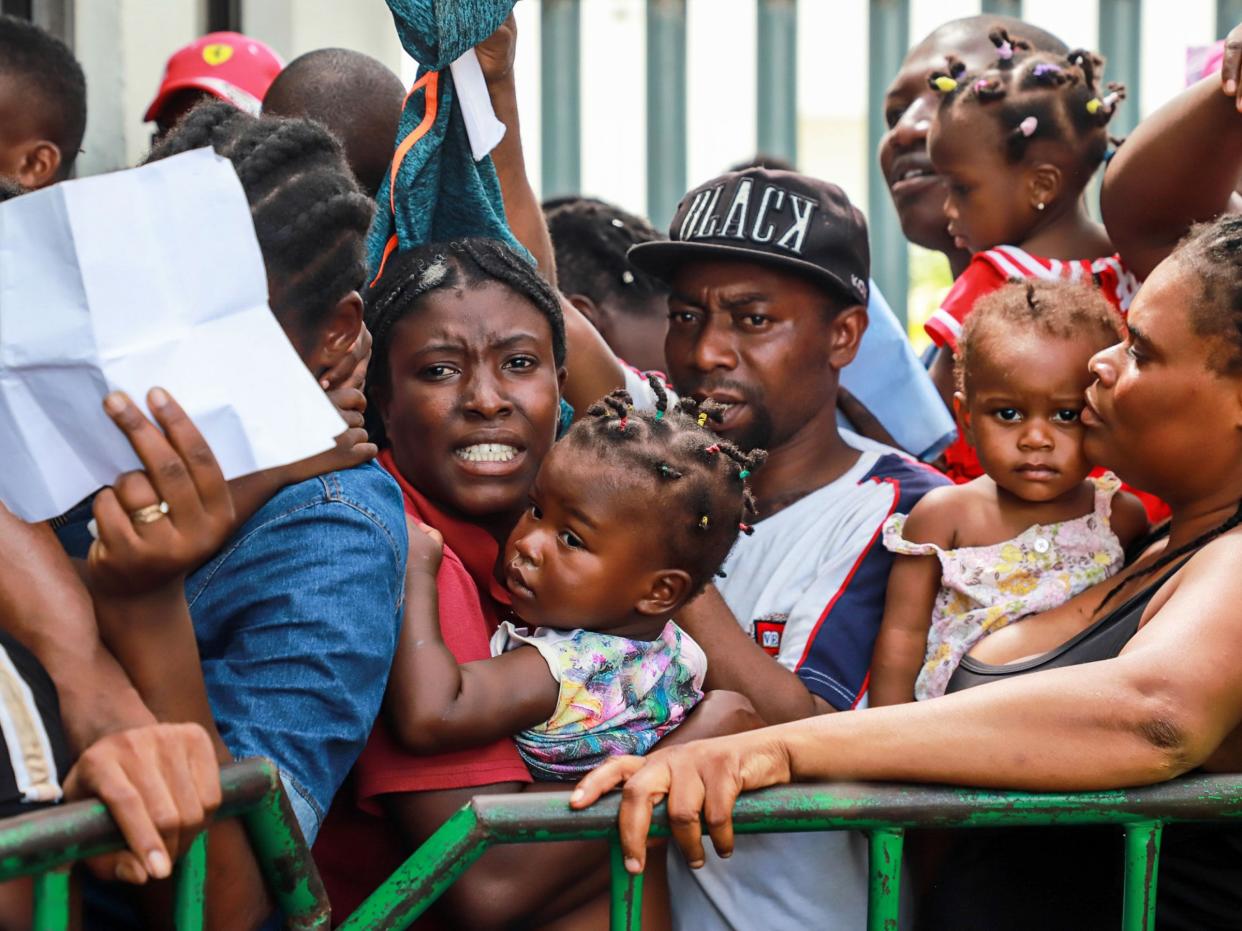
(151, 276)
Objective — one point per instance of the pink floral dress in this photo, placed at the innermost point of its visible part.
(984, 588)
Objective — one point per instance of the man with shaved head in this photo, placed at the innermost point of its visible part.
(358, 98)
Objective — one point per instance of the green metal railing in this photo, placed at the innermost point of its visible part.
(883, 811)
(47, 843)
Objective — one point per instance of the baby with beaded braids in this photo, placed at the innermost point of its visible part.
(591, 664)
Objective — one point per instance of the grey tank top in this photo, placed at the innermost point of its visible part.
(1104, 639)
(1200, 868)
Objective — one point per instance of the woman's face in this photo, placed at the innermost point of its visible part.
(1157, 413)
(474, 399)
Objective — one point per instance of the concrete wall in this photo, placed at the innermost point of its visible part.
(123, 45)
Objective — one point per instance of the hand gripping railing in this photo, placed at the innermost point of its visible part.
(884, 811)
(45, 844)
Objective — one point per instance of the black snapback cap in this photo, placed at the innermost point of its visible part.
(778, 218)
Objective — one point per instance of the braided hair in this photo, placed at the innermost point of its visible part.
(1060, 309)
(413, 274)
(591, 239)
(1035, 95)
(1213, 253)
(699, 479)
(309, 214)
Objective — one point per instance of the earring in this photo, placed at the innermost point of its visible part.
(1040, 205)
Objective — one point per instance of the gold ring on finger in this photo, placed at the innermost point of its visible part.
(150, 514)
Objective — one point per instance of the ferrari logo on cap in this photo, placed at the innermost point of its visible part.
(217, 53)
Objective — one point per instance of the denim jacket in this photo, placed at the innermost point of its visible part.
(297, 619)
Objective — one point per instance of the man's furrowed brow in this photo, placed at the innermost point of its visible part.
(746, 299)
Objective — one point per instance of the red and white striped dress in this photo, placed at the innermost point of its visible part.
(989, 270)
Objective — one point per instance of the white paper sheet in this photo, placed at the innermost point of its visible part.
(125, 281)
(482, 127)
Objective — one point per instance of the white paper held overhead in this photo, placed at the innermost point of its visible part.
(125, 281)
(483, 129)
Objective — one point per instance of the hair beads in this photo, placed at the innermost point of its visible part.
(698, 479)
(1037, 95)
(591, 239)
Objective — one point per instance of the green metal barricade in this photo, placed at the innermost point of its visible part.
(884, 811)
(45, 845)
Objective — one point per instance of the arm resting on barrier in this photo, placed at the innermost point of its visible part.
(1163, 707)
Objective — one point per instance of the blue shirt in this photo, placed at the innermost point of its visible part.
(297, 618)
(892, 382)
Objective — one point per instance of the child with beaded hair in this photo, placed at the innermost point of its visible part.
(1017, 145)
(1034, 530)
(598, 667)
(627, 305)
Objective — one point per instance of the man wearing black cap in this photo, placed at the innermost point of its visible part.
(768, 273)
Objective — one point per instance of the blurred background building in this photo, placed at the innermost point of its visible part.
(637, 100)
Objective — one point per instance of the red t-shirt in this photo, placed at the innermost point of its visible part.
(357, 849)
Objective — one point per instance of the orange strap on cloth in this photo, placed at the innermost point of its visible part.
(431, 84)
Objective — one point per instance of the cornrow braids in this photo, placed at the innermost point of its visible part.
(1058, 309)
(309, 215)
(1036, 95)
(700, 479)
(1212, 252)
(415, 273)
(591, 239)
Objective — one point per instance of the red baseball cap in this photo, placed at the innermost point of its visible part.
(227, 65)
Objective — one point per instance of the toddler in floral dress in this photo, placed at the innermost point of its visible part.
(1033, 531)
(591, 665)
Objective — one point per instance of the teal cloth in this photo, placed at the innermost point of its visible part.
(441, 193)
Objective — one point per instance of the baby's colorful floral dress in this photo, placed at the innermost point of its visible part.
(617, 695)
(985, 588)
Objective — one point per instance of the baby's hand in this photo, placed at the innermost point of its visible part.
(1231, 65)
(350, 370)
(353, 447)
(426, 548)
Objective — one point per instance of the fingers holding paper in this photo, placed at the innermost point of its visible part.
(157, 524)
